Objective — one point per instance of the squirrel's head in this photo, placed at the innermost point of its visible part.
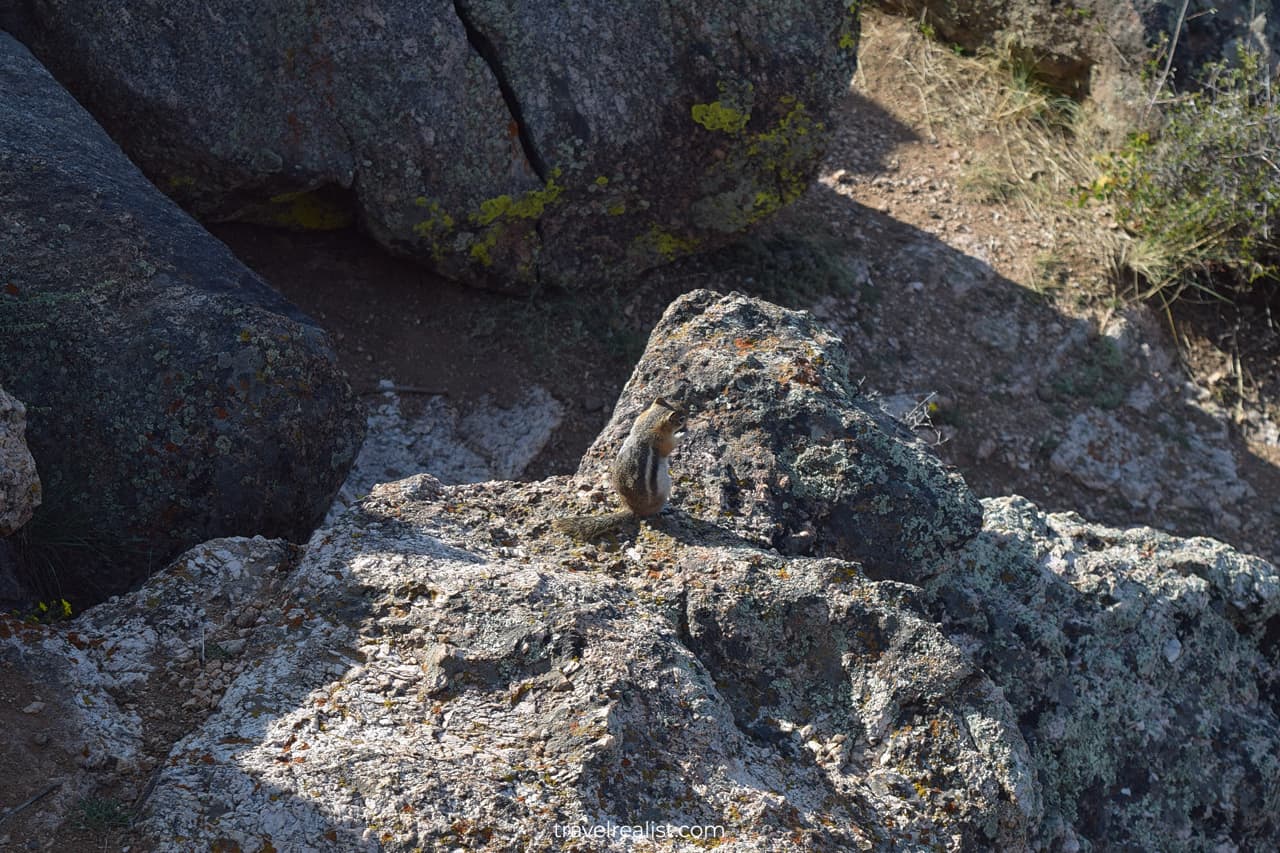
(671, 416)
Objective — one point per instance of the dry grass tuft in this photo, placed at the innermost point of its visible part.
(1027, 145)
(1025, 138)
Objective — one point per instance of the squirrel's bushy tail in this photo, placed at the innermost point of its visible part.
(592, 526)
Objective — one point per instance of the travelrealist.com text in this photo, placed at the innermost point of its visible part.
(648, 829)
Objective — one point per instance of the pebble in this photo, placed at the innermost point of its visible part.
(248, 617)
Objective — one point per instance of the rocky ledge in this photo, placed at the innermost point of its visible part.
(817, 646)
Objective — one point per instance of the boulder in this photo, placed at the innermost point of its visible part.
(172, 395)
(1142, 670)
(19, 482)
(442, 669)
(782, 448)
(448, 673)
(501, 142)
(446, 654)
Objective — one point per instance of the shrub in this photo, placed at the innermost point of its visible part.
(1202, 196)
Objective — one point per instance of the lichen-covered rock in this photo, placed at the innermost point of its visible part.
(448, 654)
(172, 395)
(502, 142)
(445, 670)
(19, 481)
(450, 674)
(1142, 669)
(782, 448)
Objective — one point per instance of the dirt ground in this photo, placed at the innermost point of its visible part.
(997, 321)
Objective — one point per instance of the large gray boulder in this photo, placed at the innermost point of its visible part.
(442, 669)
(172, 395)
(502, 142)
(447, 654)
(450, 673)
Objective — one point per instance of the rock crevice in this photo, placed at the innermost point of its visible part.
(486, 50)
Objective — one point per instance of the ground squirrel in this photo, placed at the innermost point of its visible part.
(639, 473)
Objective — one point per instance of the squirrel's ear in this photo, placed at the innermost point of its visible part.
(658, 401)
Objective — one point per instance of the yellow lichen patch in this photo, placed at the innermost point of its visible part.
(664, 243)
(304, 210)
(481, 250)
(720, 116)
(848, 29)
(529, 205)
(730, 112)
(764, 173)
(497, 214)
(776, 149)
(435, 228)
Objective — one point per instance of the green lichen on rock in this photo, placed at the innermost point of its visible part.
(730, 112)
(402, 103)
(664, 243)
(530, 205)
(763, 173)
(1135, 663)
(849, 30)
(436, 228)
(307, 210)
(720, 116)
(507, 219)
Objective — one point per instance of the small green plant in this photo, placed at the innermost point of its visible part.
(58, 547)
(1201, 197)
(98, 814)
(47, 612)
(1097, 376)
